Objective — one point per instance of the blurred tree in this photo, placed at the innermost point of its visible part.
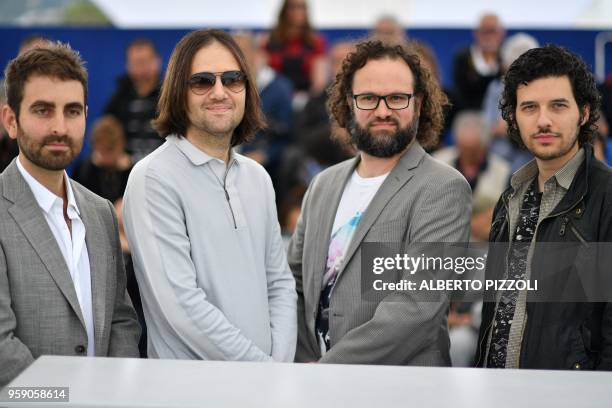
(84, 13)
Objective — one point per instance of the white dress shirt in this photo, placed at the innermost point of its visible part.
(72, 245)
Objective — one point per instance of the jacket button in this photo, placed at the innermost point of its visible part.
(80, 349)
(577, 366)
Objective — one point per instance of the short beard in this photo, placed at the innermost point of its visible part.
(383, 145)
(53, 161)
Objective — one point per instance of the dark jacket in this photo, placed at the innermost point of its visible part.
(135, 114)
(563, 334)
(470, 85)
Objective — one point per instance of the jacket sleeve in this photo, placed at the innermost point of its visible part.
(14, 355)
(402, 326)
(605, 362)
(125, 329)
(304, 352)
(281, 287)
(161, 250)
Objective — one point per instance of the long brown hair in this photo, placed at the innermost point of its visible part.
(172, 106)
(280, 33)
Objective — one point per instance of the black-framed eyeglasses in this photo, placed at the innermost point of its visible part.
(202, 82)
(394, 101)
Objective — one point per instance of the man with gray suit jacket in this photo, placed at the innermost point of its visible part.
(62, 279)
(393, 191)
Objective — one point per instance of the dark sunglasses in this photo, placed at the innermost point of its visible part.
(202, 82)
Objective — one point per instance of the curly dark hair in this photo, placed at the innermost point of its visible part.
(551, 61)
(426, 88)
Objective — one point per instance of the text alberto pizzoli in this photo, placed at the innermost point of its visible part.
(458, 265)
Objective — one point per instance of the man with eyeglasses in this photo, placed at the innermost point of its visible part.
(392, 192)
(201, 219)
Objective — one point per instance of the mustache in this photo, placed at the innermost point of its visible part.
(389, 121)
(547, 131)
(64, 139)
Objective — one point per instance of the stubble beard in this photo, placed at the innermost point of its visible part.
(563, 149)
(217, 131)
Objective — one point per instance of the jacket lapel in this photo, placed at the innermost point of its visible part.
(328, 207)
(98, 259)
(399, 176)
(31, 220)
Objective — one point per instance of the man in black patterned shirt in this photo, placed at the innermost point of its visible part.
(563, 196)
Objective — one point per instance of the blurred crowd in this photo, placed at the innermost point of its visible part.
(293, 65)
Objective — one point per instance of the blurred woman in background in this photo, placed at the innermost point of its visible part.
(293, 46)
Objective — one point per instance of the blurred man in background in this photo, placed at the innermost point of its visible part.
(487, 173)
(488, 176)
(494, 124)
(388, 30)
(135, 99)
(276, 93)
(476, 66)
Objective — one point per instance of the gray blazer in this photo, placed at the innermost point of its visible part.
(39, 310)
(422, 200)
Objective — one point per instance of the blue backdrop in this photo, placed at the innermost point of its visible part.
(103, 50)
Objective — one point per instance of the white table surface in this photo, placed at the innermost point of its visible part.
(108, 382)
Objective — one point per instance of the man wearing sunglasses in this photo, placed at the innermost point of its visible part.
(392, 192)
(201, 219)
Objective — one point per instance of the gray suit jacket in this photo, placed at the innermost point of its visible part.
(39, 310)
(421, 201)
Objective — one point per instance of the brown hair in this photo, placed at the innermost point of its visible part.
(107, 131)
(426, 88)
(280, 33)
(172, 105)
(56, 60)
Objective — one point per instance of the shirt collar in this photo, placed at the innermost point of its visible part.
(195, 155)
(564, 176)
(44, 197)
(481, 65)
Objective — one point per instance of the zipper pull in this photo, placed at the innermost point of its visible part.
(563, 224)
